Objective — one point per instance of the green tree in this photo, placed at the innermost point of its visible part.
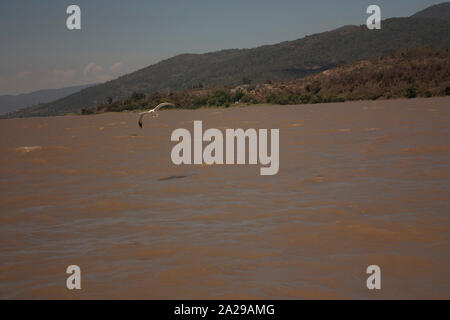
(137, 96)
(411, 92)
(314, 87)
(86, 111)
(447, 91)
(238, 96)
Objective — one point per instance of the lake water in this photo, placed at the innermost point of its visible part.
(360, 183)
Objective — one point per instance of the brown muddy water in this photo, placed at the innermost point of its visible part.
(359, 184)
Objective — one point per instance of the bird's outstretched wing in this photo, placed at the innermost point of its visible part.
(163, 105)
(141, 116)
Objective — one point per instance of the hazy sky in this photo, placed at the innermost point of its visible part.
(117, 36)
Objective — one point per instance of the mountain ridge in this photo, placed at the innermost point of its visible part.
(438, 11)
(11, 103)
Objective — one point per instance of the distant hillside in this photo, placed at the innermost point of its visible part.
(439, 11)
(10, 103)
(286, 60)
(421, 72)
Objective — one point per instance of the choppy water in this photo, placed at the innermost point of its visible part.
(359, 184)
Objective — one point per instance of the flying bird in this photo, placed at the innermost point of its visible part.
(152, 112)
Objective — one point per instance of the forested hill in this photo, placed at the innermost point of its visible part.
(290, 59)
(419, 72)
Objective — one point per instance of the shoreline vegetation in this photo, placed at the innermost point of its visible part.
(420, 72)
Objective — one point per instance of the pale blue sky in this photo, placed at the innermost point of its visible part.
(117, 36)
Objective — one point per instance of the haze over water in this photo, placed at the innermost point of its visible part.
(360, 183)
